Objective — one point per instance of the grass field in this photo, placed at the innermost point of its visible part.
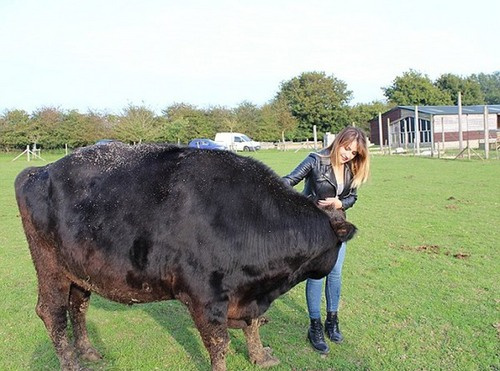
(421, 284)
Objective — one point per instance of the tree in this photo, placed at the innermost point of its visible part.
(490, 86)
(268, 131)
(283, 119)
(176, 131)
(195, 122)
(469, 88)
(45, 126)
(415, 88)
(248, 117)
(316, 99)
(221, 118)
(361, 114)
(78, 129)
(138, 124)
(14, 125)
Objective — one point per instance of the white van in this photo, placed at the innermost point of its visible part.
(237, 142)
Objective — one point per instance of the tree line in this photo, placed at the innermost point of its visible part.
(312, 98)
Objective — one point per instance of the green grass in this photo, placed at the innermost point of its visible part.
(421, 284)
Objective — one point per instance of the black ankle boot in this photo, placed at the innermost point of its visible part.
(316, 337)
(332, 328)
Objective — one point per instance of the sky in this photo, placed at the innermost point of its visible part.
(104, 55)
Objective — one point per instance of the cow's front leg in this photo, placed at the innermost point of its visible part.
(258, 354)
(212, 325)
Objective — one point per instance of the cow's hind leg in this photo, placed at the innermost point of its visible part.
(258, 354)
(78, 305)
(52, 307)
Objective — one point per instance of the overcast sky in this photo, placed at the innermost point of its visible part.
(106, 55)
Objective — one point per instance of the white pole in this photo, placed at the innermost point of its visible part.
(460, 134)
(467, 131)
(28, 152)
(417, 131)
(432, 136)
(380, 137)
(407, 123)
(315, 134)
(389, 139)
(442, 131)
(486, 133)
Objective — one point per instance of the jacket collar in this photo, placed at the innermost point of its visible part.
(324, 156)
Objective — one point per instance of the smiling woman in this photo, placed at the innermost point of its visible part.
(332, 177)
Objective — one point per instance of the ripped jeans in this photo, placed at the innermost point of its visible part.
(333, 286)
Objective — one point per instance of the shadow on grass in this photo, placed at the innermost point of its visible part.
(173, 317)
(285, 334)
(45, 358)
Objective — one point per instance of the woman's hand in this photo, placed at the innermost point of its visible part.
(330, 201)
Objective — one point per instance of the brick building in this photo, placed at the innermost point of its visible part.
(438, 126)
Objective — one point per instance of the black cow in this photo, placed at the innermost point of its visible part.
(136, 224)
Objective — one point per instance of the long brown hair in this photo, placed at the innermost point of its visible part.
(360, 164)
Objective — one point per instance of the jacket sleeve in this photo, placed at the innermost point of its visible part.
(300, 172)
(350, 199)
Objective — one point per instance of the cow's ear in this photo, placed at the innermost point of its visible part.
(343, 229)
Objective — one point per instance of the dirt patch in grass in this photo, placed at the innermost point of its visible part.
(455, 201)
(434, 249)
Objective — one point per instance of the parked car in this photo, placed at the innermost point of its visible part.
(106, 141)
(205, 143)
(237, 141)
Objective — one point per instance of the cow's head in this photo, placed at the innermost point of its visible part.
(342, 228)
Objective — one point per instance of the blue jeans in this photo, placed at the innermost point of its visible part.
(333, 285)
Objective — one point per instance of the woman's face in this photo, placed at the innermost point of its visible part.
(348, 152)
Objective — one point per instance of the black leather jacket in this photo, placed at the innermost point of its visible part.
(320, 181)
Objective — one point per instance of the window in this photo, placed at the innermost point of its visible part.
(407, 130)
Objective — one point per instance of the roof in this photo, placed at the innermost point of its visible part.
(453, 110)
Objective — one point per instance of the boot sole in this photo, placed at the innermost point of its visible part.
(317, 350)
(334, 341)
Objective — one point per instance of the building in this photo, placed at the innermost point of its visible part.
(439, 127)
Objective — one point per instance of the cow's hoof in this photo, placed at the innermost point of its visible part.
(266, 359)
(70, 365)
(90, 354)
(263, 321)
(68, 360)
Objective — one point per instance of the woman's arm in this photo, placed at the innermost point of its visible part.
(350, 199)
(301, 171)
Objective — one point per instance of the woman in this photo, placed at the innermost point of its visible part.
(332, 177)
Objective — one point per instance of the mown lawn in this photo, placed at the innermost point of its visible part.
(421, 284)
